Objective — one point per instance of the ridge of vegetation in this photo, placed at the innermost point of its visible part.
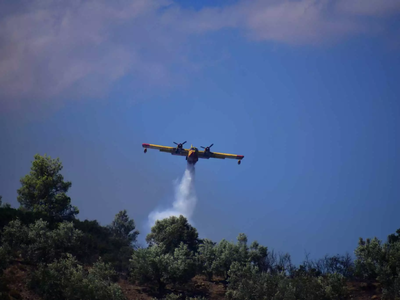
(47, 253)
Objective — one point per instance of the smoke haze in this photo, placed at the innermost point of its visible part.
(185, 199)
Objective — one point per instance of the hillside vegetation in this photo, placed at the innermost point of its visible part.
(47, 253)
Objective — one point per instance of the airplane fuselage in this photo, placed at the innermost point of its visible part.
(192, 156)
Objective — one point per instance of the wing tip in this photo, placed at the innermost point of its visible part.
(145, 145)
(240, 156)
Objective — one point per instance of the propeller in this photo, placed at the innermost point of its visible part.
(207, 148)
(180, 144)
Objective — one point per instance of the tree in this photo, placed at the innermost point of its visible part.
(394, 237)
(183, 267)
(246, 282)
(44, 189)
(67, 279)
(124, 228)
(123, 241)
(37, 243)
(153, 265)
(341, 264)
(369, 256)
(206, 257)
(171, 232)
(258, 256)
(225, 254)
(375, 260)
(150, 266)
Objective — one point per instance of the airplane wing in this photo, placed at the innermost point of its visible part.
(219, 155)
(172, 150)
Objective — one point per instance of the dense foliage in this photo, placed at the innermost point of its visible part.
(171, 232)
(44, 189)
(72, 259)
(154, 265)
(67, 279)
(380, 261)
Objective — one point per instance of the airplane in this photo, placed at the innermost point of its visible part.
(192, 154)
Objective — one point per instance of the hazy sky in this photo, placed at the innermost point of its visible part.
(308, 91)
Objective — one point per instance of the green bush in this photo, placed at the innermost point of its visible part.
(37, 243)
(183, 266)
(8, 214)
(150, 266)
(97, 241)
(226, 253)
(369, 258)
(67, 280)
(334, 286)
(247, 282)
(389, 270)
(206, 256)
(380, 262)
(340, 264)
(154, 266)
(172, 231)
(217, 259)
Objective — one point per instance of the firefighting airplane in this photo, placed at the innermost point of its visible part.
(192, 154)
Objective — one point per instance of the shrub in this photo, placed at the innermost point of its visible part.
(153, 266)
(334, 286)
(340, 264)
(66, 279)
(206, 257)
(38, 244)
(150, 266)
(380, 262)
(172, 231)
(247, 282)
(369, 256)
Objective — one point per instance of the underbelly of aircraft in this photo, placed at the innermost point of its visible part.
(192, 159)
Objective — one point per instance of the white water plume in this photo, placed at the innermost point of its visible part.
(185, 199)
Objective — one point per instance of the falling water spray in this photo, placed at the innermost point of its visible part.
(184, 202)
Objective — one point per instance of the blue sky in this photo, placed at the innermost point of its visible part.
(306, 90)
